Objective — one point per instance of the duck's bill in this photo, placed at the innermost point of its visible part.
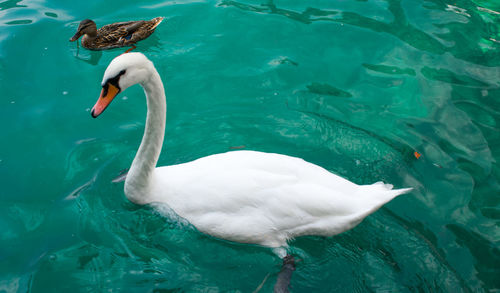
(108, 93)
(76, 36)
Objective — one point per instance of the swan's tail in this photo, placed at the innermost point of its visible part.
(380, 193)
(389, 187)
(370, 198)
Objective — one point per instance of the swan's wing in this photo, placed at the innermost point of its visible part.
(255, 197)
(265, 198)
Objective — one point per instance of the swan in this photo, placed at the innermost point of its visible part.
(242, 196)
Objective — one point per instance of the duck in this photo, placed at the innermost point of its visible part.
(115, 35)
(243, 196)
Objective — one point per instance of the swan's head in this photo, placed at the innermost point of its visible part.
(124, 71)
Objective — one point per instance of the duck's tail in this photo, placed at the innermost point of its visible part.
(156, 21)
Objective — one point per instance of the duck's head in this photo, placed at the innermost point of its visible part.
(124, 71)
(86, 27)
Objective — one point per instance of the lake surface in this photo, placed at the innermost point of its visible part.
(403, 91)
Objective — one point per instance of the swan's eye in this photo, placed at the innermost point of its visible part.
(113, 81)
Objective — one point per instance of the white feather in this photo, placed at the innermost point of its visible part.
(243, 196)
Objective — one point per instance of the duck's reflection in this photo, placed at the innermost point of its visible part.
(94, 56)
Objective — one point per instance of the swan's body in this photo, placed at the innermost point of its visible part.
(264, 198)
(243, 196)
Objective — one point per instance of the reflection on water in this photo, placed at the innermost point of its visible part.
(27, 12)
(401, 28)
(481, 248)
(94, 56)
(10, 4)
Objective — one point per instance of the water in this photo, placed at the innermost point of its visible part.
(355, 86)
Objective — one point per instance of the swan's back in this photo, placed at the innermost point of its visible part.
(265, 198)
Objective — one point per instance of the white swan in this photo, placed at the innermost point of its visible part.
(242, 196)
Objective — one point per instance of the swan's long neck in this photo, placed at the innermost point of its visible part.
(139, 177)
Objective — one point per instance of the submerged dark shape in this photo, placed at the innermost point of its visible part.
(121, 177)
(448, 76)
(326, 89)
(393, 70)
(285, 275)
(114, 35)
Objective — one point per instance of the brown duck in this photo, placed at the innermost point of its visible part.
(114, 35)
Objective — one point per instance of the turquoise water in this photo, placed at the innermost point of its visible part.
(354, 86)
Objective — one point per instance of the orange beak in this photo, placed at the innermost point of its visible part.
(104, 99)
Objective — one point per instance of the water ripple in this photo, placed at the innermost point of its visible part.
(11, 4)
(399, 27)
